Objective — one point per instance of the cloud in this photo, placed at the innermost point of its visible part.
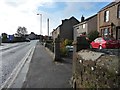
(14, 13)
(14, 3)
(77, 8)
(83, 0)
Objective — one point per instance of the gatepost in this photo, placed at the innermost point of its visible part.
(119, 68)
(57, 49)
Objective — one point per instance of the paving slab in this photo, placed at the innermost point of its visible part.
(44, 73)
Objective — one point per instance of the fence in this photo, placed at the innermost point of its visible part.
(50, 46)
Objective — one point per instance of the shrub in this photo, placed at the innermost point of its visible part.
(4, 37)
(63, 50)
(93, 35)
(68, 42)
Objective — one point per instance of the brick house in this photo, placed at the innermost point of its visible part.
(86, 26)
(109, 20)
(65, 30)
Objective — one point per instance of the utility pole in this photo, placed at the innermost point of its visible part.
(40, 24)
(48, 26)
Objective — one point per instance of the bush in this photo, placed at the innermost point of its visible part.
(4, 37)
(93, 35)
(82, 43)
(68, 42)
(63, 51)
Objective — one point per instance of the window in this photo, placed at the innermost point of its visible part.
(99, 40)
(106, 31)
(96, 40)
(119, 11)
(106, 16)
(83, 26)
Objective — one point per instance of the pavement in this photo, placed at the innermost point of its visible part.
(45, 73)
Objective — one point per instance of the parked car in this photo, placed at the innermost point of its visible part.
(69, 48)
(119, 43)
(107, 42)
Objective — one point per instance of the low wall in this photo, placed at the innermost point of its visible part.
(96, 70)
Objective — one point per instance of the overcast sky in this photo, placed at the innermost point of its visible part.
(14, 13)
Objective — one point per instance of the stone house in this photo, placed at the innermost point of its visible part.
(65, 30)
(109, 20)
(85, 26)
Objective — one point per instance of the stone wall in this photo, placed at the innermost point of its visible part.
(96, 70)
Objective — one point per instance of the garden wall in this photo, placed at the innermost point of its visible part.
(96, 70)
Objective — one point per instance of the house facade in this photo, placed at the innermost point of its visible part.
(109, 20)
(65, 30)
(55, 33)
(85, 26)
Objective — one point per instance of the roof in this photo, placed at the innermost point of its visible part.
(90, 17)
(85, 20)
(65, 20)
(110, 5)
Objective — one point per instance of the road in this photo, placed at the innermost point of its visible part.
(10, 56)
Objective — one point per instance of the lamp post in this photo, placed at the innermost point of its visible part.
(48, 26)
(40, 24)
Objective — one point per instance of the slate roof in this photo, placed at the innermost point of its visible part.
(66, 20)
(109, 5)
(89, 18)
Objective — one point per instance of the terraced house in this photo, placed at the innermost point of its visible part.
(65, 30)
(109, 20)
(86, 26)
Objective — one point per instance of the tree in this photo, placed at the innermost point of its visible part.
(93, 35)
(24, 30)
(4, 37)
(21, 31)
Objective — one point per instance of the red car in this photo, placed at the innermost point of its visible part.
(105, 43)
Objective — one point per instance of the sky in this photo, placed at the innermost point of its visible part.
(15, 13)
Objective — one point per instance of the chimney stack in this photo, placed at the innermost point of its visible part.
(82, 18)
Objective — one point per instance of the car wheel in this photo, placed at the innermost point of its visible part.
(100, 47)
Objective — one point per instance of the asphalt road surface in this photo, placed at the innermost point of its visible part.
(11, 56)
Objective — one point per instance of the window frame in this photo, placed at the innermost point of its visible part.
(106, 31)
(83, 26)
(118, 11)
(106, 16)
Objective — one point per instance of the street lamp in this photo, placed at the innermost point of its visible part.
(40, 24)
